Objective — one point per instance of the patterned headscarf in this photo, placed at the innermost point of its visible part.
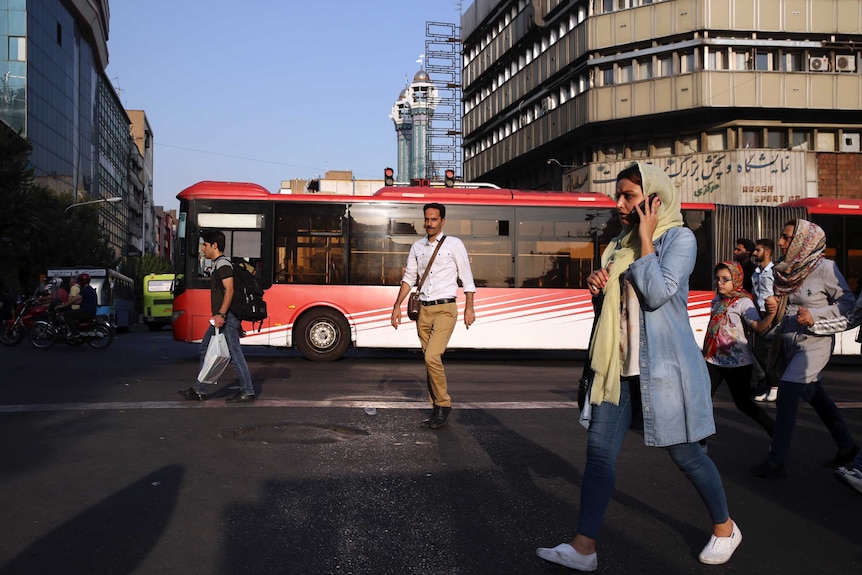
(618, 255)
(719, 314)
(803, 254)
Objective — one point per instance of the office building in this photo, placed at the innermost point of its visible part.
(740, 101)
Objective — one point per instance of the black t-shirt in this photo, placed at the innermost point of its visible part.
(223, 269)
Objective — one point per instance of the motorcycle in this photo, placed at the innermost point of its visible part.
(98, 332)
(13, 330)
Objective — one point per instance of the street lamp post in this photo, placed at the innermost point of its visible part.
(102, 201)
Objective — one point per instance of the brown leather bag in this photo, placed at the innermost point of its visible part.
(413, 303)
(413, 306)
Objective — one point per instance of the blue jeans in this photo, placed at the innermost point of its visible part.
(786, 408)
(608, 427)
(231, 330)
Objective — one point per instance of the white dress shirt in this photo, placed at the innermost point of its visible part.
(450, 265)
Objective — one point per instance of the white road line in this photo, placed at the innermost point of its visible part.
(347, 404)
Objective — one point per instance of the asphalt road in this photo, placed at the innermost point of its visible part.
(106, 470)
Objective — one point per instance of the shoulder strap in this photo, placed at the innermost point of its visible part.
(431, 261)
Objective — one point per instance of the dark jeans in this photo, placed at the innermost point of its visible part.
(73, 316)
(785, 418)
(609, 424)
(739, 382)
(760, 347)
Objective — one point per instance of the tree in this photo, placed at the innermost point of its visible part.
(138, 268)
(36, 232)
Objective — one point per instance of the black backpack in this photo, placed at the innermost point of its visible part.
(247, 303)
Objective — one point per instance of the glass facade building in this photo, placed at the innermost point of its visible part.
(54, 92)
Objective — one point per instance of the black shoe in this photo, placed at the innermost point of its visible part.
(440, 419)
(431, 417)
(193, 395)
(241, 397)
(842, 458)
(768, 469)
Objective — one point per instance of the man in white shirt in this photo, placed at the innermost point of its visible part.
(438, 313)
(762, 280)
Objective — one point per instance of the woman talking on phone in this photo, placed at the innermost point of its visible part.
(648, 367)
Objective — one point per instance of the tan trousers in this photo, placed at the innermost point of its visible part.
(434, 327)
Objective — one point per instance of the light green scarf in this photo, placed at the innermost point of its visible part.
(605, 348)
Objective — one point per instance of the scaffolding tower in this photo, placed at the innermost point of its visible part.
(443, 66)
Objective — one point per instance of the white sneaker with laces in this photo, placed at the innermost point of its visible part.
(567, 556)
(772, 395)
(719, 550)
(852, 478)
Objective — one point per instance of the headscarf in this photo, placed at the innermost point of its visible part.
(619, 254)
(804, 253)
(719, 314)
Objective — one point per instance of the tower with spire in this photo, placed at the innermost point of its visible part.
(412, 114)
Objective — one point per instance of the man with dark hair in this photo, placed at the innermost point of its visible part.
(438, 313)
(742, 256)
(221, 296)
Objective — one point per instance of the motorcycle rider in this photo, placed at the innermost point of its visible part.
(53, 293)
(85, 300)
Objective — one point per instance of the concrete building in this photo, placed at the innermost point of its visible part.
(339, 182)
(740, 101)
(143, 231)
(166, 232)
(412, 114)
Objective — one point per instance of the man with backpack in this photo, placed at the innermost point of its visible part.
(222, 288)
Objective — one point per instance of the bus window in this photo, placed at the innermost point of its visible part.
(485, 233)
(309, 244)
(556, 248)
(380, 239)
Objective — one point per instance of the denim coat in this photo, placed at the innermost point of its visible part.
(675, 387)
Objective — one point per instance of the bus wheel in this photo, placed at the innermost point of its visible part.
(322, 335)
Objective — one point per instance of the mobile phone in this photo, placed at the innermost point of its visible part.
(634, 217)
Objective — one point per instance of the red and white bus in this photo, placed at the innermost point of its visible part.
(331, 265)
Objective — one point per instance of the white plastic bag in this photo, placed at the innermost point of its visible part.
(215, 360)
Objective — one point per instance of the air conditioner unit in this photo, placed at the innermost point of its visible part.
(818, 63)
(845, 62)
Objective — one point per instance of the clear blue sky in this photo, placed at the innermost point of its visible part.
(267, 90)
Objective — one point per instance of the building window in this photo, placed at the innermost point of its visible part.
(825, 141)
(741, 60)
(716, 141)
(801, 139)
(763, 60)
(607, 76)
(751, 138)
(640, 149)
(665, 65)
(662, 147)
(791, 62)
(716, 60)
(776, 139)
(687, 62)
(644, 69)
(688, 144)
(626, 74)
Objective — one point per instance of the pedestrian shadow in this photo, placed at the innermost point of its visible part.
(113, 536)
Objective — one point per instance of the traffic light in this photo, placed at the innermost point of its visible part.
(450, 178)
(388, 177)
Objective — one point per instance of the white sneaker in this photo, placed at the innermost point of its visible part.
(852, 478)
(566, 555)
(761, 397)
(773, 394)
(720, 549)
